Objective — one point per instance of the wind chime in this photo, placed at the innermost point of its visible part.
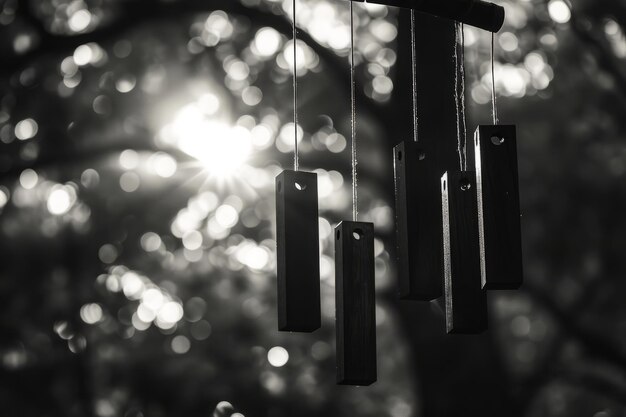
(465, 300)
(355, 306)
(297, 236)
(481, 214)
(458, 232)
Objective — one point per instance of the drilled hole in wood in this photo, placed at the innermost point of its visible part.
(300, 187)
(357, 234)
(399, 155)
(338, 235)
(465, 184)
(497, 139)
(444, 185)
(279, 186)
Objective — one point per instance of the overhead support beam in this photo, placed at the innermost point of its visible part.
(477, 13)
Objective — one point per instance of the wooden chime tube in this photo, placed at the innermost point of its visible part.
(297, 247)
(466, 302)
(495, 153)
(355, 303)
(418, 211)
(477, 13)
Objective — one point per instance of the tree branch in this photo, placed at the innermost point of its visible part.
(139, 12)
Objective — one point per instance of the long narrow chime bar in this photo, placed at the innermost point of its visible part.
(495, 153)
(477, 13)
(297, 247)
(355, 303)
(426, 162)
(466, 301)
(416, 176)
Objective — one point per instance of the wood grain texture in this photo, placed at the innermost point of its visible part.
(418, 231)
(466, 301)
(355, 303)
(297, 250)
(495, 153)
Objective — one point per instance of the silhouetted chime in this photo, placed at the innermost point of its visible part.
(480, 211)
(477, 248)
(354, 278)
(495, 156)
(416, 176)
(466, 301)
(297, 237)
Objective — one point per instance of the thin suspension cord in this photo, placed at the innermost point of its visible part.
(462, 93)
(353, 119)
(456, 95)
(295, 92)
(414, 76)
(494, 106)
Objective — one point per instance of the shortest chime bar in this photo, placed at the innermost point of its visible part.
(466, 301)
(418, 219)
(297, 247)
(355, 303)
(497, 184)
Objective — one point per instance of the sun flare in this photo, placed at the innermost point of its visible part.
(221, 148)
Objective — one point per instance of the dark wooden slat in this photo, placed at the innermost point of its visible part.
(477, 13)
(466, 301)
(495, 153)
(437, 120)
(418, 231)
(355, 303)
(297, 249)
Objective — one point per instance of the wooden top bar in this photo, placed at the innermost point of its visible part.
(477, 13)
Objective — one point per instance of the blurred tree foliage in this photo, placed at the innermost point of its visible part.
(140, 141)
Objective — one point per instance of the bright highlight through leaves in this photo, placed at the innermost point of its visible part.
(221, 148)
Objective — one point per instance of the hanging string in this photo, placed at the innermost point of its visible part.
(295, 91)
(494, 107)
(456, 95)
(353, 118)
(414, 75)
(462, 93)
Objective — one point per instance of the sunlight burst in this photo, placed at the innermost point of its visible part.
(221, 148)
